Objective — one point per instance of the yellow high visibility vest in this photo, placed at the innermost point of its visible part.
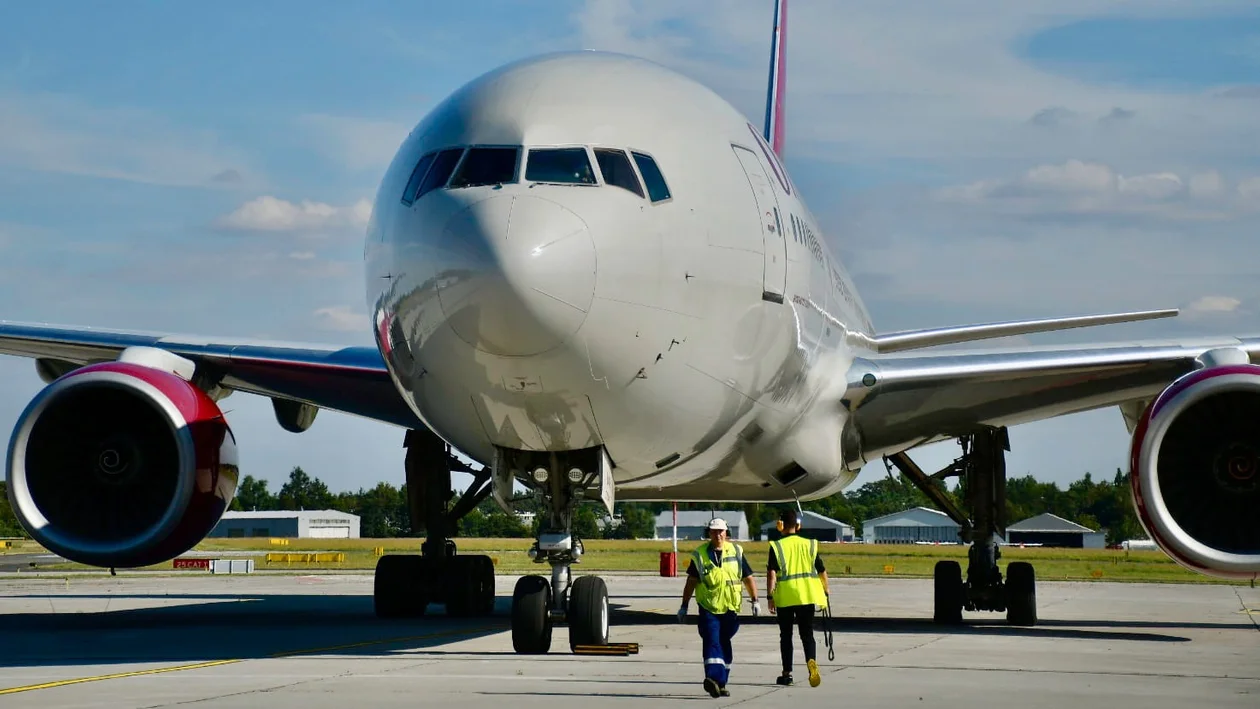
(797, 583)
(719, 588)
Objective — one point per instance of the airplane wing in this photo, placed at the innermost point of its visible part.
(902, 401)
(348, 379)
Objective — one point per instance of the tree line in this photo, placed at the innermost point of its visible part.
(382, 510)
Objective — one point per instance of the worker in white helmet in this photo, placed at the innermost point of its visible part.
(717, 570)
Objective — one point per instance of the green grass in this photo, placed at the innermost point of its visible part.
(853, 560)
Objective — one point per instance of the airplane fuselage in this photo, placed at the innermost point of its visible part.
(536, 287)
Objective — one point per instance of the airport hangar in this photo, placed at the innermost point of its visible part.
(692, 525)
(1053, 531)
(297, 524)
(813, 526)
(919, 525)
(915, 525)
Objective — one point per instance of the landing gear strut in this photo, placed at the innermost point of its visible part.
(982, 469)
(560, 482)
(405, 584)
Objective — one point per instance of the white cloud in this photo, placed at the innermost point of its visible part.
(1158, 186)
(1207, 184)
(302, 255)
(62, 134)
(1071, 176)
(930, 81)
(357, 143)
(342, 318)
(1215, 304)
(362, 211)
(1076, 188)
(269, 213)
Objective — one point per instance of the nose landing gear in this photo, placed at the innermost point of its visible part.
(538, 604)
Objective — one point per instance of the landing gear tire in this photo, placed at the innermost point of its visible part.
(470, 592)
(1021, 594)
(948, 595)
(531, 619)
(588, 612)
(397, 591)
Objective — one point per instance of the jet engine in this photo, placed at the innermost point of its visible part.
(122, 464)
(1196, 470)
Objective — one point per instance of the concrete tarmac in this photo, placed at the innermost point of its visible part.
(312, 642)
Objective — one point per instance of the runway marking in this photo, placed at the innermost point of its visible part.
(116, 675)
(218, 663)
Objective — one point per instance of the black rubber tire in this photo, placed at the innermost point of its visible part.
(947, 593)
(486, 594)
(396, 587)
(456, 581)
(470, 586)
(1021, 594)
(587, 613)
(531, 619)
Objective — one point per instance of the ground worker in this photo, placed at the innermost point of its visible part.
(717, 569)
(796, 583)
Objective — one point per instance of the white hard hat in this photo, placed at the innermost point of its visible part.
(717, 523)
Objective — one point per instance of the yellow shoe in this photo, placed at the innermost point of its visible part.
(815, 679)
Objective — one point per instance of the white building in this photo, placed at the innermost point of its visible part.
(1049, 530)
(814, 526)
(692, 525)
(303, 524)
(917, 524)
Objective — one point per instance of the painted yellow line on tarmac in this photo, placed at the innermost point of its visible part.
(217, 663)
(116, 675)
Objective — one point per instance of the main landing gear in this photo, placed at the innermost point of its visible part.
(982, 469)
(560, 482)
(406, 585)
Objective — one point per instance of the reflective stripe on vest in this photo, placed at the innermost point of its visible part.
(719, 588)
(797, 582)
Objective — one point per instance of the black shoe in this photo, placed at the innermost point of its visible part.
(784, 679)
(724, 691)
(711, 687)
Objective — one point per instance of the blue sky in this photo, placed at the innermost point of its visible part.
(206, 169)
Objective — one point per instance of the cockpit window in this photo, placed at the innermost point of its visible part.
(568, 166)
(616, 169)
(656, 187)
(443, 166)
(413, 184)
(486, 166)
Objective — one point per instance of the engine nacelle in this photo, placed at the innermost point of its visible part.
(1196, 470)
(121, 465)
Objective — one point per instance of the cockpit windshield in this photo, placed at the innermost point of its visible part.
(569, 166)
(486, 166)
(489, 165)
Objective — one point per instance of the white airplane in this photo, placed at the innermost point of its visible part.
(595, 277)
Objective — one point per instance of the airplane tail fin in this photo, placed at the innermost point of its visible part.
(776, 94)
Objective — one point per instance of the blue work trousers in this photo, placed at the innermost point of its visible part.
(716, 632)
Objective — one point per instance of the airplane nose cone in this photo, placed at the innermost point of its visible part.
(526, 278)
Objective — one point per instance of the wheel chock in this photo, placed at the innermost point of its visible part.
(611, 649)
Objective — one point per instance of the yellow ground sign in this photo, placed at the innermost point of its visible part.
(329, 557)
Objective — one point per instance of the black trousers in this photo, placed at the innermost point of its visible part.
(802, 617)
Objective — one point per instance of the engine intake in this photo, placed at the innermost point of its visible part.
(1196, 470)
(121, 465)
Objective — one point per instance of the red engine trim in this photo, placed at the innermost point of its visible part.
(215, 473)
(1135, 454)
